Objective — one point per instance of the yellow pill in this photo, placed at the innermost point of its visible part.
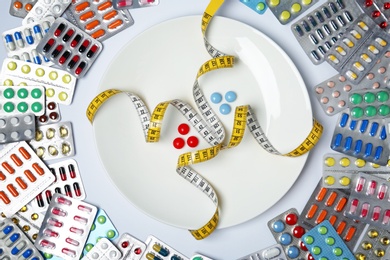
(352, 75)
(360, 256)
(341, 50)
(329, 180)
(379, 252)
(358, 66)
(333, 59)
(306, 2)
(385, 241)
(26, 69)
(12, 65)
(363, 25)
(366, 58)
(23, 209)
(388, 163)
(40, 72)
(366, 245)
(285, 15)
(345, 181)
(373, 233)
(374, 165)
(62, 96)
(50, 92)
(295, 8)
(355, 34)
(373, 49)
(381, 42)
(22, 84)
(8, 82)
(360, 163)
(348, 42)
(330, 161)
(274, 2)
(53, 75)
(66, 78)
(345, 162)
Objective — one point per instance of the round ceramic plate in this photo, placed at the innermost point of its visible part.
(161, 64)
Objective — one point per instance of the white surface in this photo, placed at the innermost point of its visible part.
(224, 244)
(263, 77)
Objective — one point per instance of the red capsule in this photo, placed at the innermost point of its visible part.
(68, 34)
(39, 199)
(62, 173)
(72, 171)
(54, 222)
(383, 25)
(80, 68)
(48, 45)
(77, 190)
(84, 45)
(64, 57)
(75, 41)
(57, 51)
(48, 196)
(73, 62)
(59, 30)
(80, 219)
(58, 212)
(8, 167)
(24, 153)
(68, 191)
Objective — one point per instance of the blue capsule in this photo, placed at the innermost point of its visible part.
(18, 39)
(16, 249)
(299, 30)
(333, 7)
(383, 134)
(306, 26)
(37, 32)
(36, 58)
(6, 231)
(312, 20)
(344, 120)
(358, 146)
(378, 153)
(353, 125)
(327, 29)
(26, 254)
(368, 150)
(374, 129)
(29, 38)
(10, 42)
(363, 126)
(326, 12)
(348, 143)
(337, 141)
(315, 55)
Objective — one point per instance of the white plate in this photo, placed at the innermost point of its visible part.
(161, 64)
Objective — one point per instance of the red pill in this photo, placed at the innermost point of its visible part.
(68, 192)
(192, 141)
(64, 57)
(125, 244)
(386, 5)
(48, 45)
(68, 34)
(48, 196)
(51, 105)
(2, 176)
(183, 129)
(84, 46)
(57, 51)
(80, 68)
(73, 62)
(310, 257)
(178, 143)
(62, 173)
(43, 119)
(302, 246)
(21, 183)
(298, 231)
(53, 115)
(75, 41)
(72, 171)
(368, 3)
(291, 219)
(375, 14)
(59, 29)
(11, 188)
(77, 190)
(8, 167)
(38, 169)
(383, 25)
(92, 51)
(39, 199)
(30, 176)
(16, 160)
(4, 197)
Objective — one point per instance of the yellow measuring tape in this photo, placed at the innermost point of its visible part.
(206, 123)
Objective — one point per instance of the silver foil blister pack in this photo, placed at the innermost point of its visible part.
(287, 10)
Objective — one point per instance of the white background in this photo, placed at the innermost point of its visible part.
(228, 243)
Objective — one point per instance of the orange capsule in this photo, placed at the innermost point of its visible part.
(4, 197)
(104, 6)
(16, 160)
(81, 7)
(2, 176)
(90, 26)
(312, 211)
(350, 233)
(38, 169)
(332, 219)
(332, 197)
(110, 15)
(341, 204)
(115, 24)
(17, 5)
(28, 7)
(341, 227)
(87, 15)
(98, 34)
(30, 176)
(21, 183)
(8, 167)
(321, 216)
(12, 190)
(24, 153)
(321, 194)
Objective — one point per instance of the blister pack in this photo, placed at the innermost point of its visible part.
(287, 10)
(374, 244)
(333, 93)
(21, 42)
(99, 19)
(288, 233)
(377, 10)
(130, 4)
(369, 201)
(17, 128)
(24, 176)
(355, 54)
(338, 170)
(52, 114)
(22, 100)
(59, 84)
(364, 139)
(103, 250)
(324, 243)
(72, 219)
(14, 243)
(101, 227)
(20, 8)
(54, 141)
(331, 204)
(368, 104)
(131, 247)
(46, 8)
(273, 252)
(70, 48)
(321, 28)
(259, 6)
(67, 182)
(157, 249)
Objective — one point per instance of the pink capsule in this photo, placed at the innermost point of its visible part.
(77, 231)
(58, 212)
(84, 208)
(54, 222)
(50, 233)
(365, 208)
(47, 244)
(382, 192)
(72, 241)
(386, 217)
(371, 188)
(360, 184)
(376, 213)
(354, 205)
(63, 200)
(81, 219)
(69, 252)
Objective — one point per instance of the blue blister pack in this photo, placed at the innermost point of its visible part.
(324, 243)
(364, 139)
(259, 6)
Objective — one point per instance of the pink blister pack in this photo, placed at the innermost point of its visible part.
(67, 182)
(23, 176)
(72, 219)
